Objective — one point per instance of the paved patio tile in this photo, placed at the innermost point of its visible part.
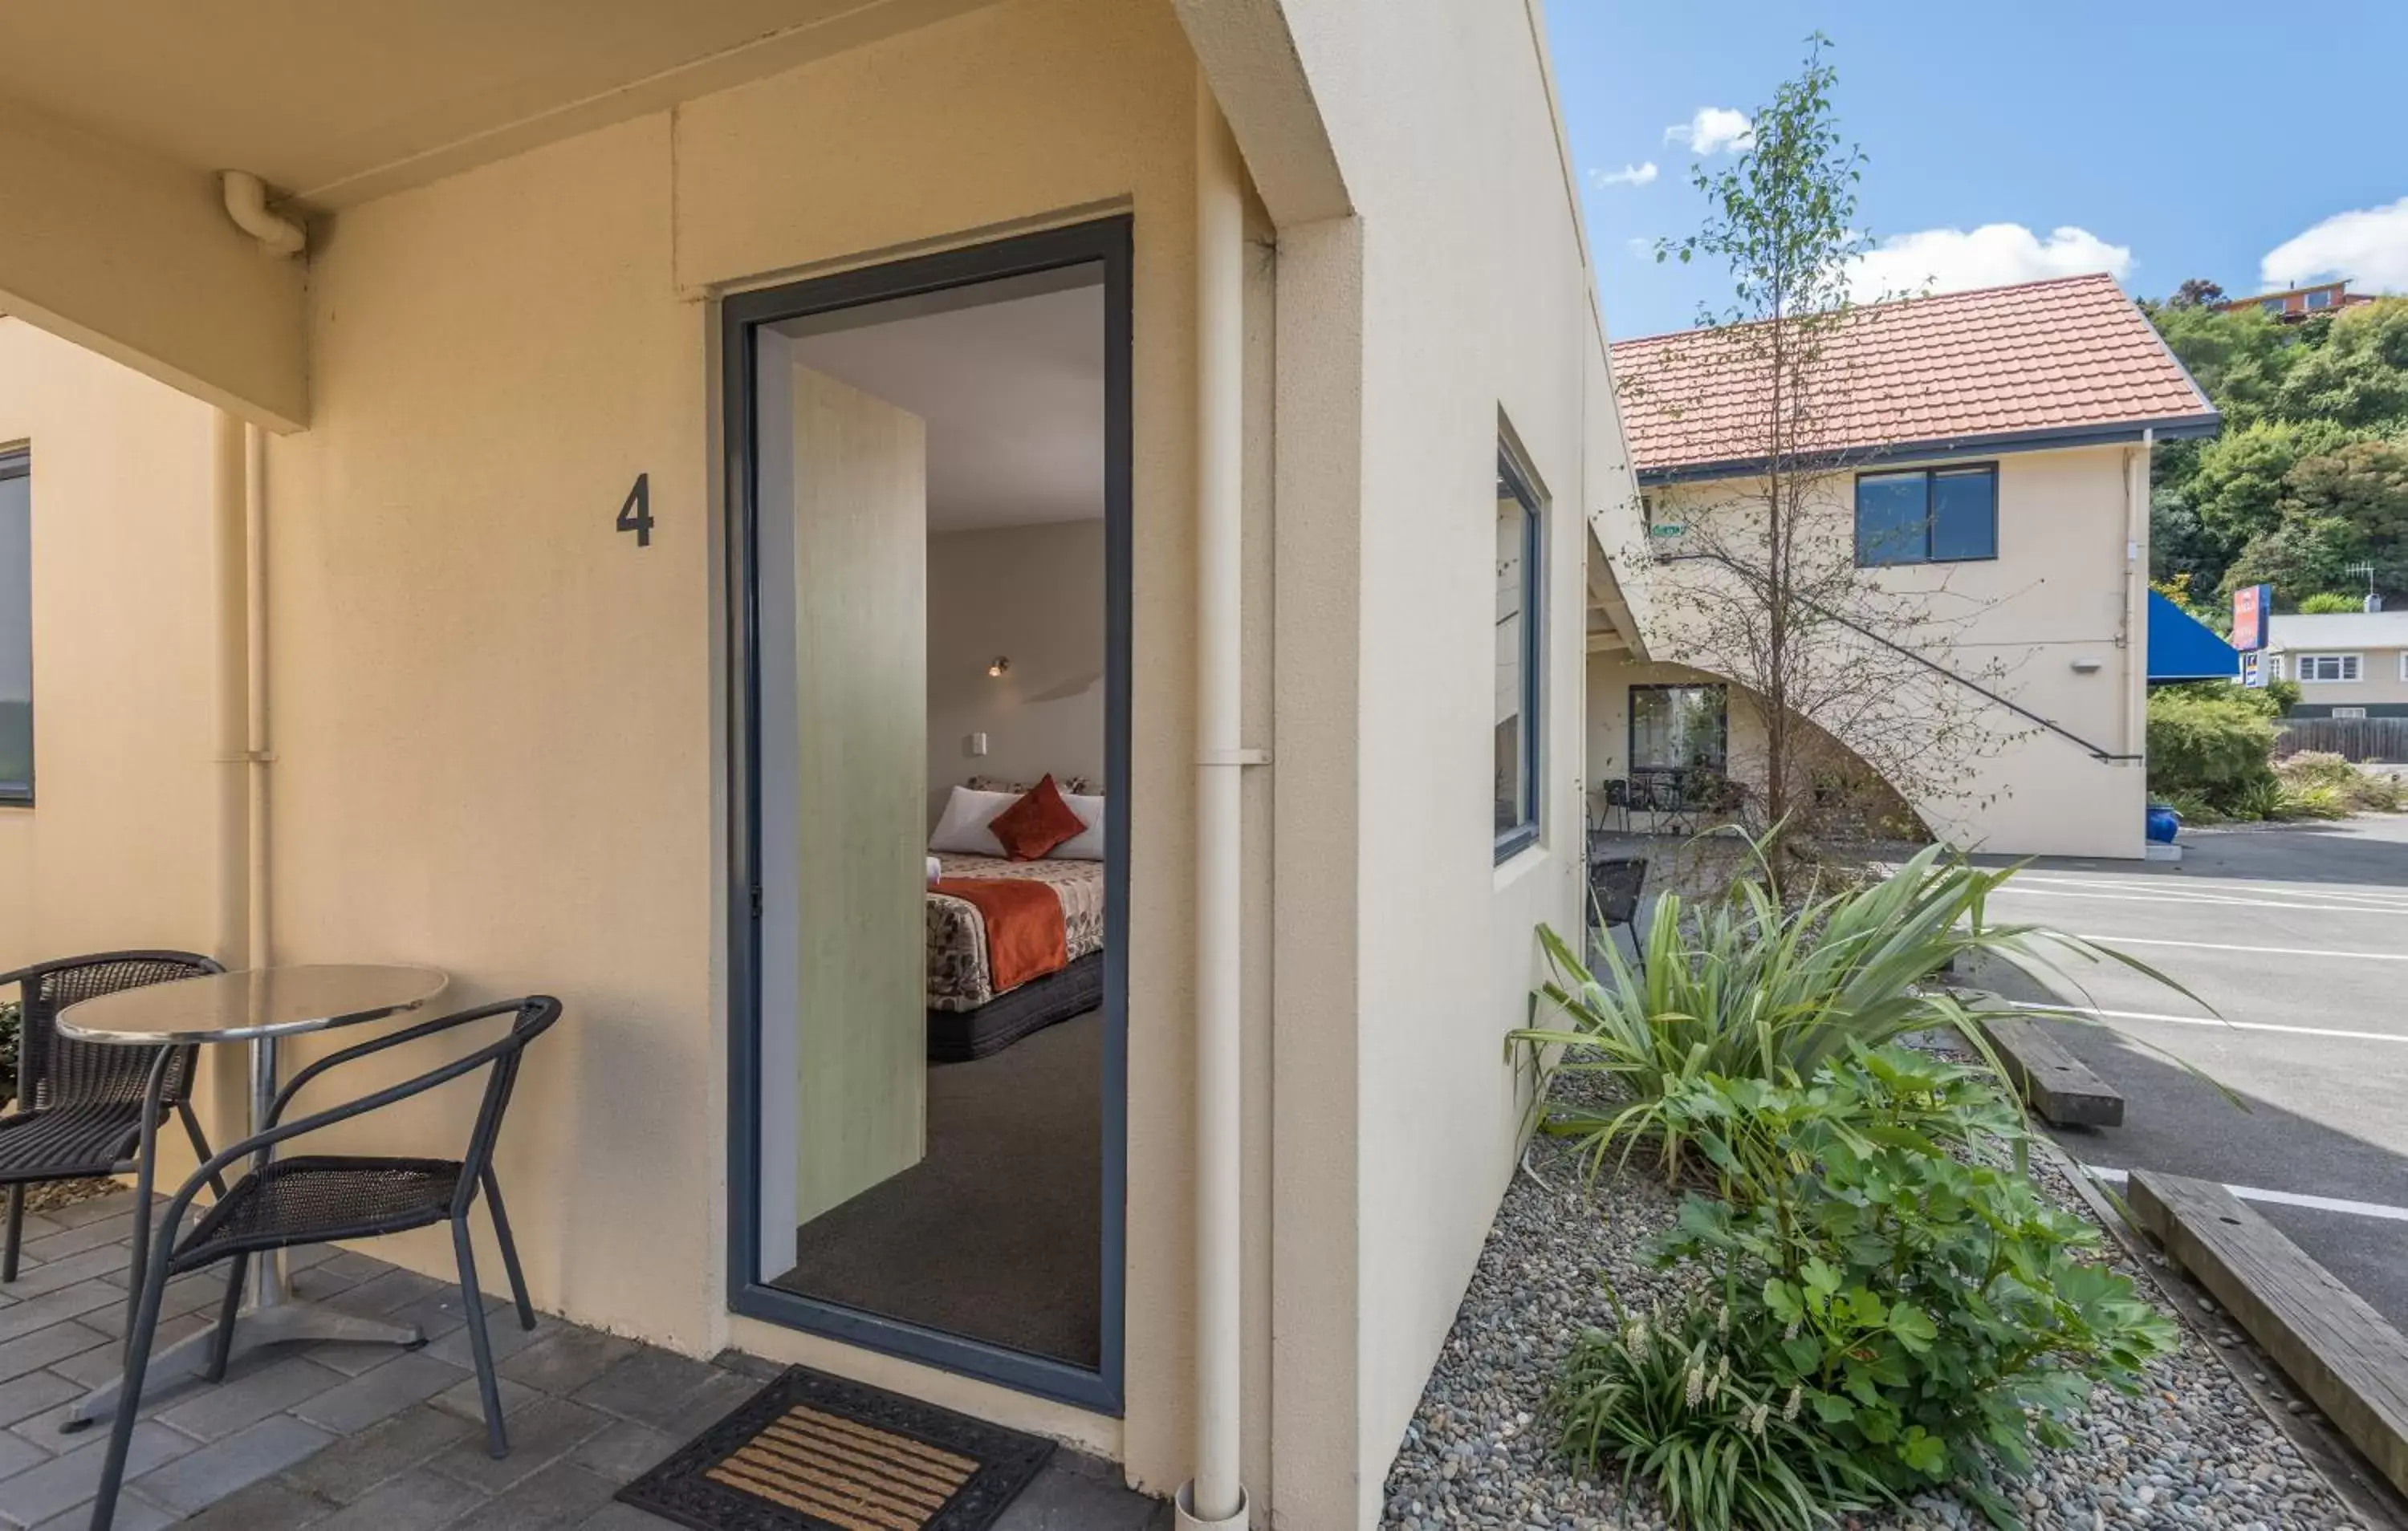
(543, 1433)
(256, 1386)
(503, 1333)
(75, 1214)
(619, 1517)
(665, 1389)
(132, 1515)
(107, 1260)
(418, 1501)
(200, 1478)
(24, 1397)
(346, 1470)
(268, 1505)
(1059, 1499)
(17, 1453)
(405, 1380)
(382, 1294)
(63, 1483)
(41, 1225)
(567, 1359)
(88, 1296)
(105, 1361)
(75, 1240)
(463, 1399)
(563, 1493)
(626, 1451)
(45, 1346)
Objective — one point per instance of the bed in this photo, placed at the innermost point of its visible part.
(967, 1017)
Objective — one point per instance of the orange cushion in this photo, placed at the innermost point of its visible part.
(1037, 824)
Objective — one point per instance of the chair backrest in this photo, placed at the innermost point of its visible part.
(1618, 792)
(1615, 885)
(54, 1070)
(499, 1060)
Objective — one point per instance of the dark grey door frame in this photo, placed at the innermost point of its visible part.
(1105, 243)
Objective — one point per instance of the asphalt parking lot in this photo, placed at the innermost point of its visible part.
(2296, 937)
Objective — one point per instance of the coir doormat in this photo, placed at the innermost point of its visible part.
(811, 1451)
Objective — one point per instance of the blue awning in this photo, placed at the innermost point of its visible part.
(2183, 648)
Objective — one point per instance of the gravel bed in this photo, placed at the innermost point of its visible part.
(2192, 1450)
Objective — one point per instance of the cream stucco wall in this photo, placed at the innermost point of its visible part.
(119, 848)
(2054, 599)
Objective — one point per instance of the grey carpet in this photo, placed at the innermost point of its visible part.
(998, 1233)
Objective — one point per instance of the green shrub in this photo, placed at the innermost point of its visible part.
(2315, 784)
(2211, 744)
(2329, 603)
(1885, 1283)
(1750, 989)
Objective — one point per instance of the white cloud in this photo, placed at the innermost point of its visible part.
(1630, 175)
(2369, 246)
(1643, 248)
(1713, 130)
(1993, 255)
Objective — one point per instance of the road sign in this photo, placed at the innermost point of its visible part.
(2251, 605)
(2252, 669)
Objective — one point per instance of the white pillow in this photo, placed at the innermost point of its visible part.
(961, 829)
(1088, 844)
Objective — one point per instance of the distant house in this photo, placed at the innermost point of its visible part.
(2347, 664)
(2293, 304)
(1993, 452)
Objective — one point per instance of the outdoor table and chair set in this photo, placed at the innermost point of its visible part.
(107, 1045)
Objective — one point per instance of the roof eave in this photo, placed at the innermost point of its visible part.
(2042, 439)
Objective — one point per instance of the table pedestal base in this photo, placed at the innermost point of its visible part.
(255, 1328)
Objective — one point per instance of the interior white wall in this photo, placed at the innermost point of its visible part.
(1034, 594)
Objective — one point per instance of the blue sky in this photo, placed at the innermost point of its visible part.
(2154, 139)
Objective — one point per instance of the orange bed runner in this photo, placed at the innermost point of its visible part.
(1026, 936)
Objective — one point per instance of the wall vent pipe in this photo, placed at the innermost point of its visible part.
(246, 203)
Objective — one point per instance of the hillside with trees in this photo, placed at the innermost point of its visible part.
(2309, 479)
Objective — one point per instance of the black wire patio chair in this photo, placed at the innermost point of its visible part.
(1614, 884)
(321, 1198)
(79, 1112)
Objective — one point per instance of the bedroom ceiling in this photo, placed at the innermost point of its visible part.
(1013, 394)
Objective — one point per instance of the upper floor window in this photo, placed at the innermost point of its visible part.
(2326, 668)
(2320, 298)
(16, 627)
(2273, 306)
(1927, 515)
(1521, 653)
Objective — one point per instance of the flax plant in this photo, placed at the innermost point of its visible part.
(1747, 988)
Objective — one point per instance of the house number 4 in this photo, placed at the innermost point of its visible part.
(636, 514)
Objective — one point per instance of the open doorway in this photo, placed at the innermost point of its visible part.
(929, 466)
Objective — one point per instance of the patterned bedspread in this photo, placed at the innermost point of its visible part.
(958, 975)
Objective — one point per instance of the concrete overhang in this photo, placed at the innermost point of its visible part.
(116, 119)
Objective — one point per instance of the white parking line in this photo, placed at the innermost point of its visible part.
(2214, 1020)
(2279, 1198)
(2374, 897)
(2226, 946)
(2194, 900)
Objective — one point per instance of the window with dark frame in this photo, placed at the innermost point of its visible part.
(1676, 729)
(16, 627)
(1947, 515)
(1520, 643)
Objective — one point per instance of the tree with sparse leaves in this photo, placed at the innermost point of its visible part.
(1762, 583)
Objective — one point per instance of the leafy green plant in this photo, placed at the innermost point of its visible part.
(1687, 1398)
(1885, 1279)
(1750, 989)
(2210, 743)
(2330, 602)
(2316, 784)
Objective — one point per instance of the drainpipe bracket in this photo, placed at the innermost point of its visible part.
(1187, 1519)
(1234, 757)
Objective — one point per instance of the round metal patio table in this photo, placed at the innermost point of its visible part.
(257, 1007)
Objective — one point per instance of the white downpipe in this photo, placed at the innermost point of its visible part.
(1215, 1497)
(246, 203)
(2136, 598)
(255, 737)
(229, 606)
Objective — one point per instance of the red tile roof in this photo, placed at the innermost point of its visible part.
(1960, 368)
